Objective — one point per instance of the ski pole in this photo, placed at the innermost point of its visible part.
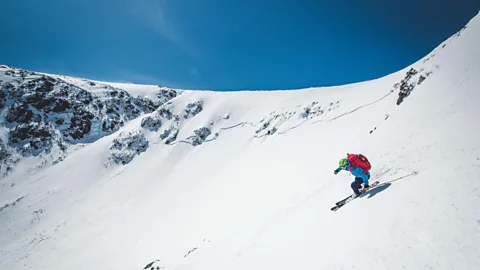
(401, 177)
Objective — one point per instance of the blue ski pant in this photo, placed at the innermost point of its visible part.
(357, 185)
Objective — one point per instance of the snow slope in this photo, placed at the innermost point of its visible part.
(247, 181)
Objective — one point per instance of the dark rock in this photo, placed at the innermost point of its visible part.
(421, 79)
(203, 133)
(42, 85)
(110, 125)
(200, 135)
(67, 112)
(272, 131)
(166, 94)
(111, 109)
(151, 123)
(19, 113)
(113, 93)
(165, 133)
(59, 121)
(172, 134)
(165, 113)
(263, 127)
(149, 106)
(61, 105)
(35, 99)
(80, 125)
(149, 265)
(5, 154)
(3, 99)
(126, 146)
(405, 86)
(61, 93)
(38, 136)
(193, 109)
(305, 113)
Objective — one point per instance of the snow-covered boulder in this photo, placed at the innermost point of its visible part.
(151, 123)
(268, 126)
(165, 113)
(166, 94)
(312, 110)
(406, 86)
(126, 147)
(200, 136)
(170, 134)
(156, 120)
(32, 138)
(155, 265)
(193, 109)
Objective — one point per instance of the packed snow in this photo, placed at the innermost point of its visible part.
(244, 180)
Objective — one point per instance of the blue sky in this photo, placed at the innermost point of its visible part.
(226, 44)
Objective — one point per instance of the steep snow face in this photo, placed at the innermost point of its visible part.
(245, 180)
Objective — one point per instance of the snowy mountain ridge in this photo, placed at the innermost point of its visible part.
(51, 112)
(156, 178)
(45, 114)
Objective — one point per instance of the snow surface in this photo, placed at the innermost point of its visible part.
(257, 192)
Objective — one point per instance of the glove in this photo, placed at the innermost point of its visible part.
(366, 188)
(335, 172)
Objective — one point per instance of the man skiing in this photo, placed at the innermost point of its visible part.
(360, 167)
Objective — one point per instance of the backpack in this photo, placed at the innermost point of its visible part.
(359, 161)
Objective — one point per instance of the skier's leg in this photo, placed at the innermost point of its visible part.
(357, 185)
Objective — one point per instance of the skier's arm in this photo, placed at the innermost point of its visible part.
(340, 168)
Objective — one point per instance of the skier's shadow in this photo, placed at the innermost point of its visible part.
(374, 191)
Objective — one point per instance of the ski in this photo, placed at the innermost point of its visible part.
(344, 200)
(350, 198)
(340, 204)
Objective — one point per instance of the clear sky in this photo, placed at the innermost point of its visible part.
(226, 44)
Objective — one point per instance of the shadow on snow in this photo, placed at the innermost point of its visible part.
(374, 191)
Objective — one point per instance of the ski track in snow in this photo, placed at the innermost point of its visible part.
(358, 108)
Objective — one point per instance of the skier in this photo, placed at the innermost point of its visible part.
(360, 167)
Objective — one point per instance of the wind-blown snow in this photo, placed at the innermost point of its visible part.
(255, 190)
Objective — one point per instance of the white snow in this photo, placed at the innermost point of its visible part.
(258, 196)
(98, 87)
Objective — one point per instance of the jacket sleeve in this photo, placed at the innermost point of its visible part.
(341, 168)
